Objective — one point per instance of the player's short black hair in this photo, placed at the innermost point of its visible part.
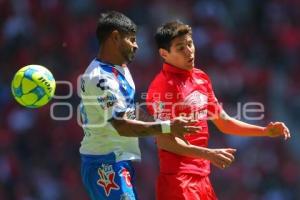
(168, 31)
(113, 20)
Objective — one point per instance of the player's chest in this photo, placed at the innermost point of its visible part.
(193, 92)
(125, 85)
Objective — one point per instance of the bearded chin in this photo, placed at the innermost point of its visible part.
(129, 58)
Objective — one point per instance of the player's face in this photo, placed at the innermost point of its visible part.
(182, 52)
(128, 47)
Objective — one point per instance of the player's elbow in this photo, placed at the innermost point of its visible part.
(122, 127)
(223, 125)
(224, 128)
(119, 125)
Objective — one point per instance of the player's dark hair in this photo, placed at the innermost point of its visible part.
(168, 31)
(113, 20)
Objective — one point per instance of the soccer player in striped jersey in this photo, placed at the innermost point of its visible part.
(107, 109)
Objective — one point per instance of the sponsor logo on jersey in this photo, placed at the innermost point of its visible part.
(194, 105)
(126, 175)
(102, 84)
(196, 99)
(107, 101)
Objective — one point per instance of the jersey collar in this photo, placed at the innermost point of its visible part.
(121, 69)
(171, 68)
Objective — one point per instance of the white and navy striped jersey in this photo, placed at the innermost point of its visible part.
(107, 91)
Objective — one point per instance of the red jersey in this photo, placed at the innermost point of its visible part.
(176, 92)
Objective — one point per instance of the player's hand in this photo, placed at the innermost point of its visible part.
(221, 158)
(277, 129)
(183, 125)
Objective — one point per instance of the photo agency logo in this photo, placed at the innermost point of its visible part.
(102, 100)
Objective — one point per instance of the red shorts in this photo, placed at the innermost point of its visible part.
(184, 187)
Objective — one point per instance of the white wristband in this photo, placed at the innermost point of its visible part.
(165, 127)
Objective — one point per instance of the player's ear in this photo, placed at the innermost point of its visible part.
(115, 36)
(163, 53)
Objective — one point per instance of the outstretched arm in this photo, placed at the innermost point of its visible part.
(229, 125)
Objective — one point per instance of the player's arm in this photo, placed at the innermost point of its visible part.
(143, 115)
(136, 128)
(219, 157)
(229, 125)
(112, 107)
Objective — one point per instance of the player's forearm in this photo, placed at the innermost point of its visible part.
(143, 115)
(237, 127)
(135, 128)
(233, 126)
(191, 151)
(178, 146)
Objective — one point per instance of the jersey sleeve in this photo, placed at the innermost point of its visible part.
(213, 108)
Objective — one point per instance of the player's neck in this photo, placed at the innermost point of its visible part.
(108, 56)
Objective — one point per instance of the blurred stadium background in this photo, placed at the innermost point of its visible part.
(250, 48)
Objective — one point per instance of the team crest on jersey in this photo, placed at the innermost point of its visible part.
(125, 173)
(107, 179)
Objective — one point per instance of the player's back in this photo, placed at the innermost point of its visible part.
(106, 90)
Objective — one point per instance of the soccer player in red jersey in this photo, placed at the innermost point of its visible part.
(180, 89)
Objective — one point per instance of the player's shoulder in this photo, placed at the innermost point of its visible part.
(98, 69)
(99, 74)
(162, 83)
(159, 80)
(200, 73)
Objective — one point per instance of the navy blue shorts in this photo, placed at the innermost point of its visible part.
(105, 179)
